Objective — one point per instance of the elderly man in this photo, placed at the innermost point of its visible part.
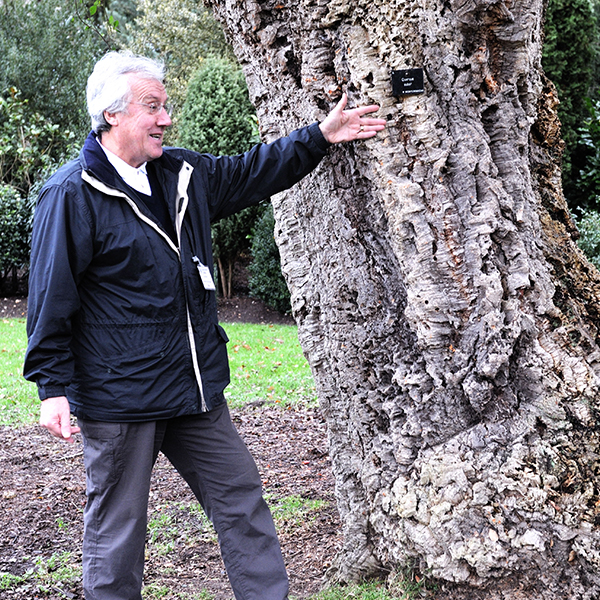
(123, 330)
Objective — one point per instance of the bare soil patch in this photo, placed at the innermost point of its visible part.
(42, 486)
(239, 309)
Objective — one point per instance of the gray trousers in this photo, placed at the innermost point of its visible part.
(212, 458)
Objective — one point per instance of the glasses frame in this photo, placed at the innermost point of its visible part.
(155, 108)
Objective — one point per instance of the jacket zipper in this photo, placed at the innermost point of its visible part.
(185, 175)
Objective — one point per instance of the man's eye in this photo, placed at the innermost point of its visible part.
(153, 106)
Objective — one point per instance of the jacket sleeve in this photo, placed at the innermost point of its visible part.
(236, 182)
(60, 251)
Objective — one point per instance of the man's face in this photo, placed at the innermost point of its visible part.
(137, 135)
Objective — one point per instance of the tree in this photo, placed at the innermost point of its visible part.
(449, 318)
(217, 118)
(48, 57)
(180, 32)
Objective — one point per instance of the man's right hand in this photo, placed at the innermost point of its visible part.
(55, 416)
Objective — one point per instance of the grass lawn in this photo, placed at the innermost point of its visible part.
(18, 398)
(267, 366)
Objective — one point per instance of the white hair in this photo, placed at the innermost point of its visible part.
(108, 87)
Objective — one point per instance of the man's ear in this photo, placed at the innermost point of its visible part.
(111, 118)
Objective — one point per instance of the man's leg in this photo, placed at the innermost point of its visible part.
(208, 452)
(118, 460)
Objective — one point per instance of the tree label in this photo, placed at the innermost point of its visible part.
(407, 81)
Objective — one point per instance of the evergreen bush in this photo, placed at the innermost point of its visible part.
(15, 233)
(589, 228)
(266, 281)
(29, 142)
(588, 181)
(569, 59)
(218, 118)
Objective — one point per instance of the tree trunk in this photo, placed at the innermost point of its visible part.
(222, 277)
(446, 312)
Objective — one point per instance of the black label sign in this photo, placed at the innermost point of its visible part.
(407, 81)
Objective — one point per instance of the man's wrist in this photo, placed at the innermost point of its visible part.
(51, 391)
(319, 138)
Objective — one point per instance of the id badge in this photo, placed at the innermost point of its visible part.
(205, 275)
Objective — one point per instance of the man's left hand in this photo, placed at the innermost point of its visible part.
(347, 125)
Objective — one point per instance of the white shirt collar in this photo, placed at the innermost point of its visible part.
(135, 178)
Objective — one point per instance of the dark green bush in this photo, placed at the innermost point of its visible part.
(589, 228)
(218, 118)
(570, 60)
(266, 281)
(15, 233)
(29, 142)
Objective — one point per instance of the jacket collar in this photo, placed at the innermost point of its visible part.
(93, 160)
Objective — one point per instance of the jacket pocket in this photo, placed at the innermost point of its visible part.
(222, 333)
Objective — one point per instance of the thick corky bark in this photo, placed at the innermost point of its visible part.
(449, 319)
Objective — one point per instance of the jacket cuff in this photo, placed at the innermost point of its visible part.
(318, 138)
(51, 391)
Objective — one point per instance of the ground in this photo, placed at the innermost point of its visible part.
(238, 309)
(42, 491)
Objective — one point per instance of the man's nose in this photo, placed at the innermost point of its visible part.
(164, 120)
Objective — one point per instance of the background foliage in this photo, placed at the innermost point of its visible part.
(48, 56)
(181, 33)
(589, 227)
(218, 118)
(569, 60)
(29, 142)
(15, 229)
(266, 280)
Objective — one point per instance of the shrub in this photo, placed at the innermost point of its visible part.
(569, 59)
(588, 182)
(48, 55)
(15, 232)
(29, 143)
(589, 242)
(231, 239)
(266, 281)
(218, 118)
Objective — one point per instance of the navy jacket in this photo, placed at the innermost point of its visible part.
(119, 320)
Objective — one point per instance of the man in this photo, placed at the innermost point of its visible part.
(123, 330)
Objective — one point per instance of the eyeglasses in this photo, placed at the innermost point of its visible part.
(154, 108)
